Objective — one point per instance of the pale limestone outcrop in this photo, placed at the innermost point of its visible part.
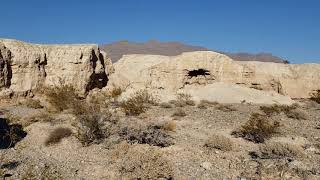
(199, 73)
(26, 66)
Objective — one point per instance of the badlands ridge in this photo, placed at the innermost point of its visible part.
(208, 75)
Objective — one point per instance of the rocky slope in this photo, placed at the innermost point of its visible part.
(25, 66)
(203, 73)
(117, 49)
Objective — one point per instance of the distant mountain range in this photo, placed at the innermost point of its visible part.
(117, 49)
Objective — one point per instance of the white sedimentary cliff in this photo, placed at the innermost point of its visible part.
(25, 66)
(205, 74)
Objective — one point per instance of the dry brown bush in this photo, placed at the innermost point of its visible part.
(57, 135)
(225, 107)
(142, 162)
(38, 117)
(138, 103)
(32, 103)
(179, 113)
(205, 103)
(274, 150)
(219, 142)
(116, 92)
(292, 111)
(315, 96)
(146, 134)
(169, 126)
(258, 128)
(61, 97)
(297, 114)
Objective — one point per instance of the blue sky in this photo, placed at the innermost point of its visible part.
(287, 28)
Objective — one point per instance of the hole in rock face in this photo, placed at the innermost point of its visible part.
(198, 72)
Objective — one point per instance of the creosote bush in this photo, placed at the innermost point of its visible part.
(276, 150)
(61, 97)
(315, 96)
(219, 142)
(138, 103)
(292, 111)
(57, 135)
(258, 128)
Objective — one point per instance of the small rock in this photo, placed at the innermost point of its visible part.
(206, 165)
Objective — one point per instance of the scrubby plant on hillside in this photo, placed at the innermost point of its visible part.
(315, 96)
(179, 113)
(219, 142)
(138, 103)
(291, 111)
(205, 103)
(272, 150)
(258, 128)
(61, 97)
(32, 103)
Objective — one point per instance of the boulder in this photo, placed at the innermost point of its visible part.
(25, 66)
(210, 72)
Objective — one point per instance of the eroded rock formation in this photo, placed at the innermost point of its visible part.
(205, 69)
(25, 66)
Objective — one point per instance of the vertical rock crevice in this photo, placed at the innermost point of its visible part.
(5, 67)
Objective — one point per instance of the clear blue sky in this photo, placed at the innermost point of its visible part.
(287, 28)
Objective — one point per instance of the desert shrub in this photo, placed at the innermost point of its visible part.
(297, 114)
(225, 107)
(57, 135)
(61, 97)
(10, 133)
(315, 96)
(44, 172)
(258, 128)
(165, 105)
(219, 142)
(273, 150)
(116, 92)
(205, 103)
(138, 103)
(142, 162)
(169, 126)
(152, 134)
(179, 113)
(184, 99)
(32, 103)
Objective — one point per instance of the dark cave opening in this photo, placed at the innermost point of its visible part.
(198, 72)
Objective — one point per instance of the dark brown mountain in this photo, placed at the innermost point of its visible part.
(117, 49)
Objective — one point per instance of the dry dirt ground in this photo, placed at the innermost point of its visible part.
(187, 158)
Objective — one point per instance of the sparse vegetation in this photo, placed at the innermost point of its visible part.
(219, 142)
(32, 103)
(138, 103)
(205, 103)
(258, 128)
(169, 126)
(143, 162)
(225, 107)
(165, 105)
(116, 92)
(152, 134)
(10, 133)
(315, 96)
(179, 113)
(292, 111)
(274, 150)
(57, 135)
(61, 97)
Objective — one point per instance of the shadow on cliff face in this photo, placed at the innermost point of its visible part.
(5, 67)
(10, 134)
(99, 78)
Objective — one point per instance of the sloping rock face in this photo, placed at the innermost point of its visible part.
(25, 67)
(194, 71)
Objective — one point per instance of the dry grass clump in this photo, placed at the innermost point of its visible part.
(225, 107)
(205, 103)
(38, 117)
(57, 135)
(61, 97)
(138, 103)
(276, 150)
(116, 92)
(151, 134)
(169, 126)
(166, 105)
(219, 142)
(179, 113)
(315, 96)
(32, 103)
(142, 162)
(290, 111)
(184, 99)
(258, 128)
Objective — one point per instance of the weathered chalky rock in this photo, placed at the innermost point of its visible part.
(207, 74)
(25, 67)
